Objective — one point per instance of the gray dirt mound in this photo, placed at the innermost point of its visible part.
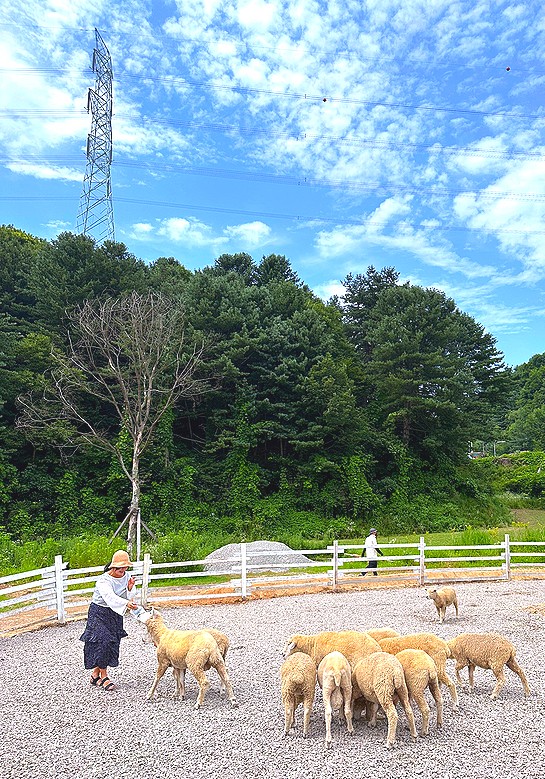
(258, 553)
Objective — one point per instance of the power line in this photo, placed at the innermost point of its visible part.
(409, 56)
(290, 217)
(353, 140)
(375, 187)
(171, 81)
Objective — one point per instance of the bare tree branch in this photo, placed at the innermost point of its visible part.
(130, 354)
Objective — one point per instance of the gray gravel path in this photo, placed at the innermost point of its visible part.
(54, 724)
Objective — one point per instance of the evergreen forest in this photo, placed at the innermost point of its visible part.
(279, 415)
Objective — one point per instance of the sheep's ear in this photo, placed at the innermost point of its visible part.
(290, 646)
(153, 611)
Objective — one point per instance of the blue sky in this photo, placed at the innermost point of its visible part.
(341, 134)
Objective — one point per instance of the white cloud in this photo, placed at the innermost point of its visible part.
(250, 235)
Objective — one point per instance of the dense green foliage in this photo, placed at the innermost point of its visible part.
(319, 417)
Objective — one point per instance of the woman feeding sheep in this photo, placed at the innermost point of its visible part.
(104, 631)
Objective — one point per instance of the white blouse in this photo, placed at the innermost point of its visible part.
(112, 592)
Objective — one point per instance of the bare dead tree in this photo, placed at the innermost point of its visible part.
(131, 354)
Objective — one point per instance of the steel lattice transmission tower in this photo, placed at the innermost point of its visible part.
(96, 213)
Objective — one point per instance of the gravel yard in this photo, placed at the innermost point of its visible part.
(55, 725)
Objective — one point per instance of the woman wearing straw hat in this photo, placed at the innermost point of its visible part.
(104, 630)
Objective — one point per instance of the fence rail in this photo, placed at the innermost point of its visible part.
(60, 592)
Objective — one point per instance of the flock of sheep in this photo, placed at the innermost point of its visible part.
(358, 672)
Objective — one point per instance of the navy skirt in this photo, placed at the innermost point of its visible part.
(102, 637)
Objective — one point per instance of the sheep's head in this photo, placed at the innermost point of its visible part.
(291, 646)
(432, 592)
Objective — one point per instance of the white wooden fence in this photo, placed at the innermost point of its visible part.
(56, 592)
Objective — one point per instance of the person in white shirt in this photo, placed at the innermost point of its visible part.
(104, 630)
(371, 551)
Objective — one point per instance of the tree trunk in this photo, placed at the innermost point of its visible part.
(135, 505)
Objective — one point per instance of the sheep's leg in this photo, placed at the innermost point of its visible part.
(500, 677)
(515, 667)
(438, 609)
(404, 698)
(346, 709)
(371, 714)
(328, 716)
(179, 676)
(444, 678)
(459, 666)
(161, 670)
(224, 677)
(438, 698)
(203, 683)
(471, 671)
(442, 611)
(421, 702)
(289, 715)
(392, 716)
(307, 708)
(456, 606)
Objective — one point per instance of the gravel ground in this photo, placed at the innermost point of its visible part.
(55, 725)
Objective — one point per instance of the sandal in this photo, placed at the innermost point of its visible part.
(94, 680)
(107, 684)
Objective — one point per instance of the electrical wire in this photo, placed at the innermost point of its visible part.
(289, 217)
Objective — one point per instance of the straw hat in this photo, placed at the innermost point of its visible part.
(120, 560)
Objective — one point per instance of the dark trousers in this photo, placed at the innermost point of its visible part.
(372, 564)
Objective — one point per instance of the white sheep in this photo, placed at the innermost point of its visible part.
(436, 648)
(486, 650)
(335, 679)
(351, 643)
(297, 685)
(380, 680)
(443, 597)
(196, 650)
(421, 673)
(179, 673)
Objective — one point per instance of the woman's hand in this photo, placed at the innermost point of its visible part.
(131, 605)
(131, 583)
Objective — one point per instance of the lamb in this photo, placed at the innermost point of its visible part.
(335, 679)
(443, 597)
(435, 647)
(421, 672)
(351, 643)
(196, 650)
(297, 685)
(486, 650)
(379, 678)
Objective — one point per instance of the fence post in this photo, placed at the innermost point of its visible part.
(145, 579)
(335, 561)
(59, 589)
(507, 558)
(422, 561)
(243, 570)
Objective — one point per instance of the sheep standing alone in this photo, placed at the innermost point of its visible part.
(335, 679)
(421, 673)
(486, 650)
(443, 597)
(379, 678)
(297, 685)
(436, 648)
(351, 643)
(196, 650)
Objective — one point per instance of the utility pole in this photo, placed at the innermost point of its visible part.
(96, 214)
